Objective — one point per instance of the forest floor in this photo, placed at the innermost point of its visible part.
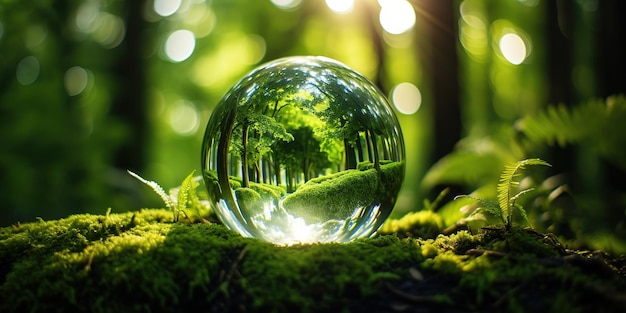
(144, 262)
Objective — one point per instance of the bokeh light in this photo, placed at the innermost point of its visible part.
(340, 6)
(473, 33)
(180, 45)
(86, 15)
(396, 16)
(108, 30)
(287, 4)
(201, 20)
(105, 28)
(75, 80)
(166, 7)
(35, 36)
(184, 118)
(27, 70)
(513, 48)
(407, 98)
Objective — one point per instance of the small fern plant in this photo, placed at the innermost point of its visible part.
(507, 194)
(179, 198)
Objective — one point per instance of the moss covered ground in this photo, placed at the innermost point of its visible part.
(143, 262)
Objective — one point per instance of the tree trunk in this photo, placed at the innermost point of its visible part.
(611, 68)
(277, 172)
(359, 148)
(437, 20)
(350, 155)
(375, 151)
(245, 181)
(129, 102)
(222, 162)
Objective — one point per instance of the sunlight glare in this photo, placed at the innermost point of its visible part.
(513, 48)
(166, 7)
(396, 16)
(180, 45)
(340, 6)
(407, 98)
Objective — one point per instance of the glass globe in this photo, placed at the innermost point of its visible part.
(301, 150)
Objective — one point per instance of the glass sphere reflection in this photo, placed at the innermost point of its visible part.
(303, 149)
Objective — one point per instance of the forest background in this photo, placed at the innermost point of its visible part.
(91, 88)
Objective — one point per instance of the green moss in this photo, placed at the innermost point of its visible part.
(341, 192)
(424, 224)
(142, 262)
(522, 242)
(310, 277)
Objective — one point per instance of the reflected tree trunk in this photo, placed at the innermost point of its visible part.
(374, 139)
(245, 181)
(368, 141)
(277, 172)
(359, 147)
(350, 155)
(222, 161)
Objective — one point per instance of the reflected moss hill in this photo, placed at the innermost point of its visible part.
(333, 196)
(338, 195)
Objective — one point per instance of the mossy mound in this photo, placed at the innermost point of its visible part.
(340, 193)
(143, 262)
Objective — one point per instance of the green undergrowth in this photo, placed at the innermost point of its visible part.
(143, 262)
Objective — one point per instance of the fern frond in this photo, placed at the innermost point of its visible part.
(432, 206)
(523, 213)
(519, 207)
(597, 123)
(486, 206)
(505, 188)
(157, 189)
(184, 194)
(562, 125)
(519, 194)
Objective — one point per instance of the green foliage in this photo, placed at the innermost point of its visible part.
(476, 160)
(507, 186)
(508, 194)
(579, 204)
(598, 123)
(180, 198)
(169, 202)
(186, 195)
